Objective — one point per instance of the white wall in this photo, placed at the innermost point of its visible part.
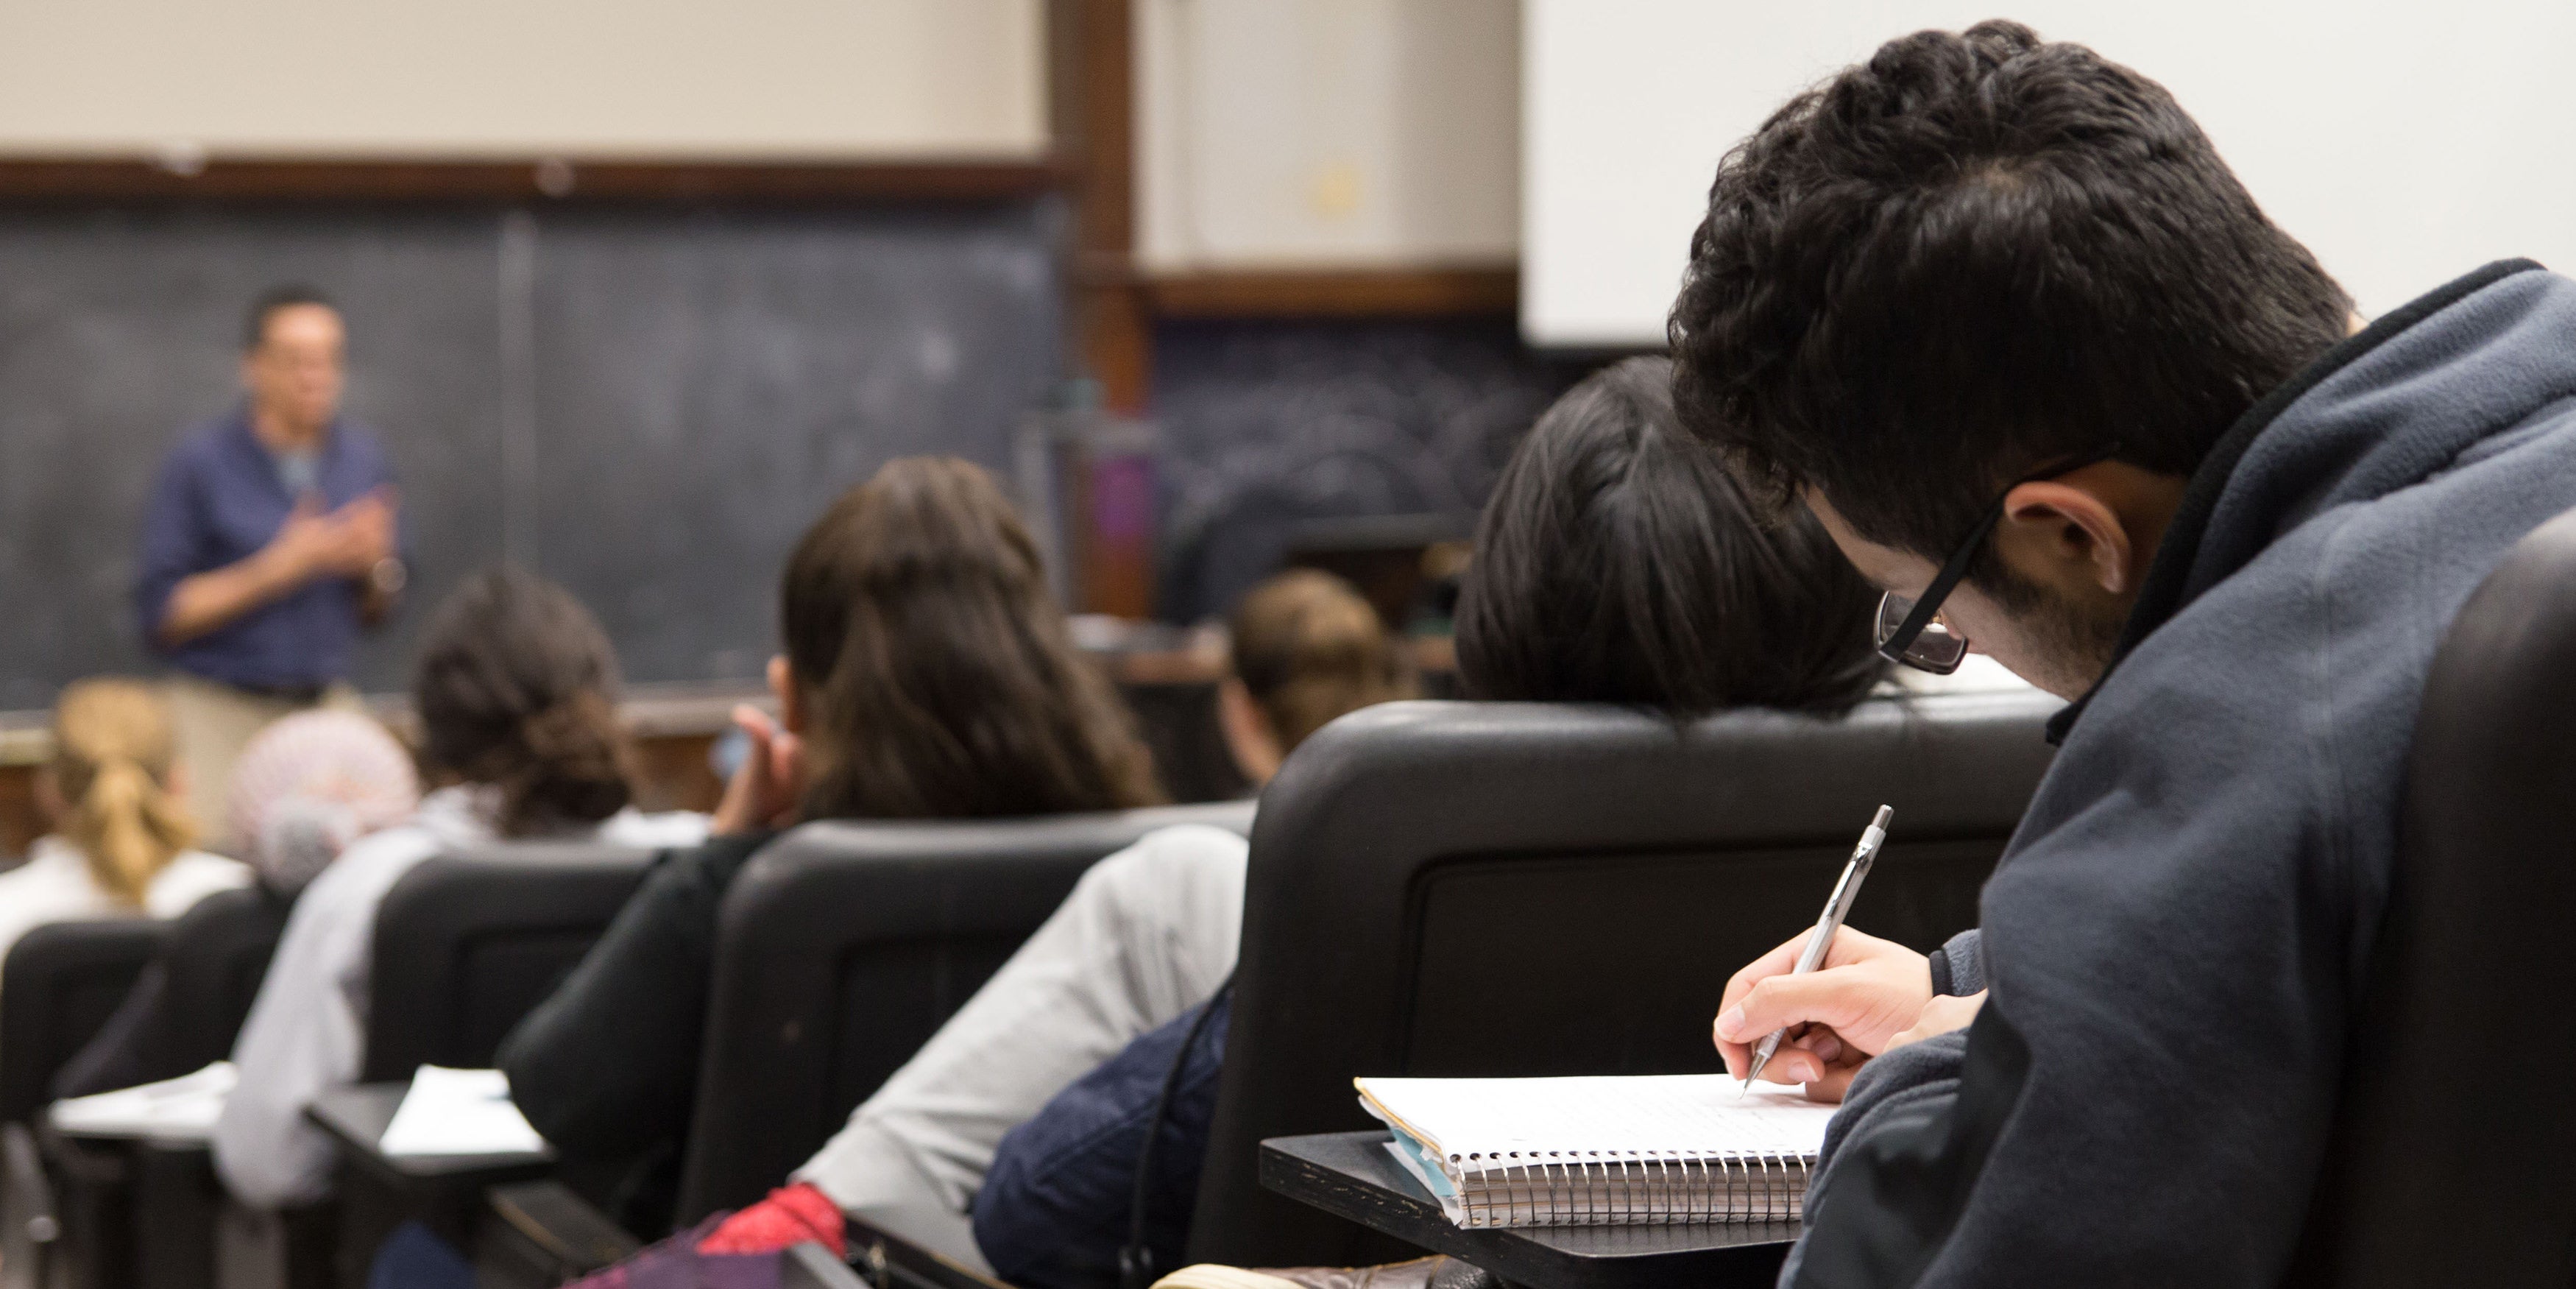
(1327, 133)
(743, 79)
(2404, 142)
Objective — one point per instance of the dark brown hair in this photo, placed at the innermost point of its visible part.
(937, 674)
(1619, 562)
(1972, 257)
(1308, 648)
(273, 301)
(517, 687)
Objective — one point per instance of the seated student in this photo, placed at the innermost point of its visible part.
(119, 845)
(516, 690)
(2144, 458)
(1147, 935)
(1614, 564)
(1617, 562)
(928, 674)
(305, 788)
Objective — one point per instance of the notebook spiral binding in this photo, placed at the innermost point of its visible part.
(1628, 1188)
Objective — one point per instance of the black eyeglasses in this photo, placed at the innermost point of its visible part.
(1907, 632)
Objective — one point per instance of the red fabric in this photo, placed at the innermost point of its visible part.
(791, 1215)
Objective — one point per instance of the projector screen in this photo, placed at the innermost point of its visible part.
(2404, 143)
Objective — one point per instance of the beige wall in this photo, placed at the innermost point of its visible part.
(1328, 133)
(743, 79)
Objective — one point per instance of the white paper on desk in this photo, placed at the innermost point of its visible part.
(180, 1109)
(458, 1112)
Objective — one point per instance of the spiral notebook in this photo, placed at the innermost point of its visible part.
(1654, 1150)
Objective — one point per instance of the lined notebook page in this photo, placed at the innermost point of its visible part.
(1671, 1114)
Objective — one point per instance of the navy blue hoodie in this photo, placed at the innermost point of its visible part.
(2177, 936)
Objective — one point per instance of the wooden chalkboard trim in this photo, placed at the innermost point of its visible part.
(1352, 293)
(299, 180)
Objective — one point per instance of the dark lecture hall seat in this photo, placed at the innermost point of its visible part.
(60, 983)
(844, 946)
(1522, 889)
(2452, 1155)
(471, 941)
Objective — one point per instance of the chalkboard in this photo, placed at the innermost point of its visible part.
(647, 404)
(1266, 427)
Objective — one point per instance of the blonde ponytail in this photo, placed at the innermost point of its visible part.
(112, 753)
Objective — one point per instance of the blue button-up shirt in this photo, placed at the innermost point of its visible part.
(221, 496)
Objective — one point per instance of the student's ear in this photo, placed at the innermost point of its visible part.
(2065, 535)
(791, 702)
(1248, 733)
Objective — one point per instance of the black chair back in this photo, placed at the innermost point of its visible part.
(471, 941)
(2432, 1177)
(60, 983)
(188, 1005)
(217, 955)
(844, 946)
(1465, 889)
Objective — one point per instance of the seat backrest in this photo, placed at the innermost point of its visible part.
(844, 946)
(1465, 889)
(469, 942)
(2432, 1177)
(217, 954)
(60, 983)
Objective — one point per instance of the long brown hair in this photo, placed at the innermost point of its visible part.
(517, 687)
(112, 752)
(1308, 648)
(939, 677)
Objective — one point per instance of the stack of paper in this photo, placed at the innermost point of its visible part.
(458, 1112)
(180, 1109)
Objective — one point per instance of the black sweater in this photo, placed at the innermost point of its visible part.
(607, 1067)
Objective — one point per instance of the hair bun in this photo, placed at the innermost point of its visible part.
(574, 768)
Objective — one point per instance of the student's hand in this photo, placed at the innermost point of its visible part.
(1940, 1016)
(763, 792)
(1849, 1009)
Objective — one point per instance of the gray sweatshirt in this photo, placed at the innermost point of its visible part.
(2176, 937)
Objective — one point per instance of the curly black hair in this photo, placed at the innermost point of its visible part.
(1968, 258)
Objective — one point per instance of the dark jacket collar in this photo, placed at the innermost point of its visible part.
(2178, 575)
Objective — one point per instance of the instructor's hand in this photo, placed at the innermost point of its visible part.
(366, 532)
(305, 547)
(1849, 1009)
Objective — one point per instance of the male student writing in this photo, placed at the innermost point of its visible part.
(1985, 278)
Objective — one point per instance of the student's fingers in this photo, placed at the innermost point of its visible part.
(1780, 961)
(744, 805)
(1830, 1088)
(786, 773)
(753, 722)
(1806, 1056)
(1940, 1016)
(1848, 999)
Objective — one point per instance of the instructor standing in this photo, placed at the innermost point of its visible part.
(271, 540)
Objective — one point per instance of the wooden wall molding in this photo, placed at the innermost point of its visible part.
(1354, 293)
(297, 180)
